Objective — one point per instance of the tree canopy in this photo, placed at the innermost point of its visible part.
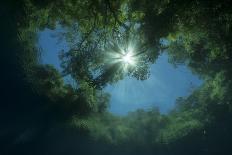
(100, 33)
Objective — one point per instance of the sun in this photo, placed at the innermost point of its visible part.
(127, 58)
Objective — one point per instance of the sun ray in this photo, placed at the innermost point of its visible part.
(127, 58)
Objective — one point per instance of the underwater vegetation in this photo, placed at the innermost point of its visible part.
(109, 40)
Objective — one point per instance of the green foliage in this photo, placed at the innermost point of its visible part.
(138, 127)
(198, 35)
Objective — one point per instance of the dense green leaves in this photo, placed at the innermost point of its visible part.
(196, 33)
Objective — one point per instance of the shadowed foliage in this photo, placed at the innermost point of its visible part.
(41, 114)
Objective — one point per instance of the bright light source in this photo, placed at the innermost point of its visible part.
(127, 58)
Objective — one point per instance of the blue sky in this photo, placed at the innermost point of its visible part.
(51, 45)
(164, 86)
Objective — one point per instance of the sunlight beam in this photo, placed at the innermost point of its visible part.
(127, 58)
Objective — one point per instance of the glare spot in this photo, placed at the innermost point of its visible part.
(127, 58)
